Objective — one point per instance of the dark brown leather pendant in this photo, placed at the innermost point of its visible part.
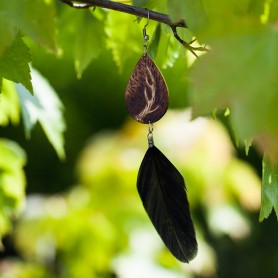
(146, 94)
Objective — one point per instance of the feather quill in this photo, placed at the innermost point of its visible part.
(163, 193)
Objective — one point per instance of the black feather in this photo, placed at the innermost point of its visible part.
(163, 193)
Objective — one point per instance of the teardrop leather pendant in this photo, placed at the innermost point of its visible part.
(146, 94)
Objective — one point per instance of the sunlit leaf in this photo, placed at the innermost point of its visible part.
(242, 78)
(269, 188)
(247, 144)
(271, 11)
(139, 3)
(189, 11)
(243, 6)
(125, 39)
(177, 10)
(9, 104)
(14, 64)
(12, 182)
(160, 6)
(168, 51)
(34, 18)
(153, 47)
(185, 34)
(7, 33)
(89, 41)
(218, 18)
(44, 107)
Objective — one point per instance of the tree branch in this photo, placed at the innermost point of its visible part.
(139, 12)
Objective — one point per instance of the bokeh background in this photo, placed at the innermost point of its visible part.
(83, 216)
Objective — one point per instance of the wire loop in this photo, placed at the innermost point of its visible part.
(145, 35)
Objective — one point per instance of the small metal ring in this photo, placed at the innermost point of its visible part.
(150, 128)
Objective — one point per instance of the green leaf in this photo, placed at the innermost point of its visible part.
(7, 34)
(194, 14)
(215, 18)
(89, 41)
(34, 18)
(12, 182)
(46, 108)
(162, 51)
(153, 47)
(177, 10)
(14, 64)
(271, 11)
(125, 39)
(240, 73)
(185, 34)
(154, 5)
(168, 51)
(247, 144)
(9, 104)
(139, 3)
(269, 188)
(243, 6)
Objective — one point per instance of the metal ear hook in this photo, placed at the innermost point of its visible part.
(145, 35)
(148, 19)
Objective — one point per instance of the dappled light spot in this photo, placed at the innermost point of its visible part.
(56, 206)
(227, 220)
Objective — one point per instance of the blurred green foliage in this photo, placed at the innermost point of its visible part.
(83, 216)
(12, 182)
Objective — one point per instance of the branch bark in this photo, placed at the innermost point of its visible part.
(139, 12)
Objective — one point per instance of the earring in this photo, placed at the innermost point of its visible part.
(160, 185)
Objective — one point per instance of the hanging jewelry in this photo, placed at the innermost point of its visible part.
(146, 93)
(160, 185)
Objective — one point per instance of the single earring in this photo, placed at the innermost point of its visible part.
(146, 94)
(160, 185)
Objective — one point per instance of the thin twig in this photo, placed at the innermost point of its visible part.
(188, 45)
(139, 12)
